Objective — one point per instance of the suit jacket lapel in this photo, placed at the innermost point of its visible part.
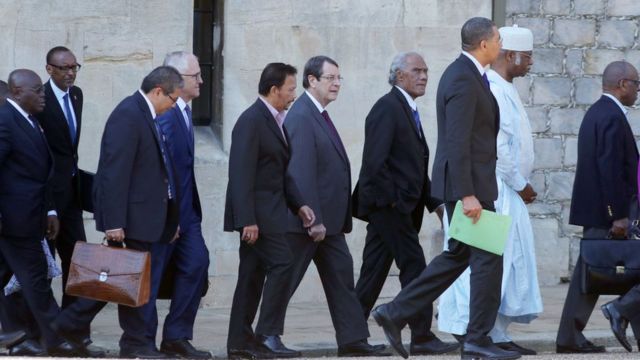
(58, 113)
(323, 124)
(408, 112)
(492, 99)
(75, 103)
(271, 122)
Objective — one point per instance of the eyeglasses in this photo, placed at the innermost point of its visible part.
(195, 76)
(172, 98)
(635, 82)
(75, 68)
(332, 78)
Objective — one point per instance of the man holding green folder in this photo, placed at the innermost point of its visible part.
(464, 169)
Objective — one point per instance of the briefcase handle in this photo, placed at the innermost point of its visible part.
(105, 242)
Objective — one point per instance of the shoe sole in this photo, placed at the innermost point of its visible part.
(398, 348)
(483, 357)
(621, 340)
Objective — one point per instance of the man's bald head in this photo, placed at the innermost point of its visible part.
(25, 88)
(620, 79)
(616, 71)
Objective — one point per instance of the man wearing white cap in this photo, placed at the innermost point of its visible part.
(520, 300)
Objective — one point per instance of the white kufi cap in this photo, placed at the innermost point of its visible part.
(516, 38)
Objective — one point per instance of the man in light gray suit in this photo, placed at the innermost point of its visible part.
(320, 168)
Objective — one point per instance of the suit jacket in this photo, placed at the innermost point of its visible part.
(180, 142)
(130, 187)
(394, 161)
(65, 153)
(607, 164)
(468, 124)
(26, 169)
(320, 168)
(256, 192)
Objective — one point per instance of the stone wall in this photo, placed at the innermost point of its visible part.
(574, 41)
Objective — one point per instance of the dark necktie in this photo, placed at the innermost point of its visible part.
(69, 116)
(486, 81)
(416, 118)
(165, 158)
(333, 131)
(187, 109)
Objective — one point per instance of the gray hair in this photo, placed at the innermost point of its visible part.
(399, 63)
(178, 60)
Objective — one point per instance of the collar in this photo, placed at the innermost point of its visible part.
(494, 77)
(315, 102)
(615, 100)
(181, 104)
(410, 101)
(151, 108)
(20, 110)
(57, 91)
(272, 110)
(475, 62)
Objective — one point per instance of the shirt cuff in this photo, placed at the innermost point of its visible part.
(52, 213)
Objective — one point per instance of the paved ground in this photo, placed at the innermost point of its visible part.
(308, 328)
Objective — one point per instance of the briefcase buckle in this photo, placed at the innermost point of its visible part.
(104, 275)
(620, 270)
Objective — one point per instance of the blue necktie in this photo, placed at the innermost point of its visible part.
(69, 116)
(486, 81)
(416, 118)
(165, 158)
(187, 109)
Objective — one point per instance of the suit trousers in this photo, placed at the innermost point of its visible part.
(71, 230)
(140, 324)
(629, 304)
(442, 271)
(578, 306)
(391, 235)
(335, 267)
(26, 259)
(269, 257)
(14, 312)
(191, 259)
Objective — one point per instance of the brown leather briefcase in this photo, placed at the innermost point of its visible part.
(111, 274)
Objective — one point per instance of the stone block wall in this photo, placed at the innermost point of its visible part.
(573, 42)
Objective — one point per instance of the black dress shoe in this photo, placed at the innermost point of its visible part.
(66, 349)
(618, 324)
(586, 348)
(472, 352)
(272, 344)
(182, 348)
(361, 348)
(511, 346)
(11, 338)
(28, 347)
(433, 346)
(391, 330)
(142, 353)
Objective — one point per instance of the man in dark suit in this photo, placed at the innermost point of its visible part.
(604, 184)
(258, 195)
(464, 169)
(320, 167)
(26, 207)
(392, 192)
(61, 121)
(136, 197)
(189, 256)
(6, 338)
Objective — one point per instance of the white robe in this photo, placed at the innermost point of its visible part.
(521, 300)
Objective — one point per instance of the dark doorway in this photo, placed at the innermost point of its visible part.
(207, 45)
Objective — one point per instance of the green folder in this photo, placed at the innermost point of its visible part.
(490, 233)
